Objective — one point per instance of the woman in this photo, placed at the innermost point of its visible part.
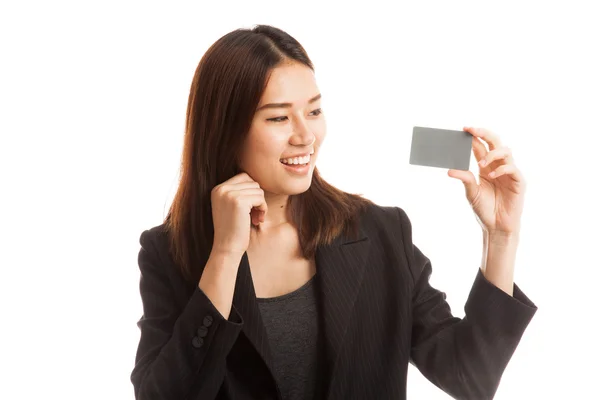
(266, 282)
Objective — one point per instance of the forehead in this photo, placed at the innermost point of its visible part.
(290, 83)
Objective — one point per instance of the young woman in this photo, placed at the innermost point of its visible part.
(266, 282)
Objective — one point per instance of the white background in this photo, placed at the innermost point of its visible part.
(92, 108)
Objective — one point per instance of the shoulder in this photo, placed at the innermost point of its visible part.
(390, 232)
(388, 229)
(386, 219)
(154, 242)
(153, 235)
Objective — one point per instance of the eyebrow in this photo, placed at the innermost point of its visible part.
(286, 105)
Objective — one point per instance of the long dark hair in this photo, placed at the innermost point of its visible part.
(225, 92)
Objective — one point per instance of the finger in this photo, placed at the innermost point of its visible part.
(479, 149)
(226, 188)
(241, 177)
(257, 200)
(488, 136)
(256, 216)
(503, 153)
(510, 170)
(468, 179)
(259, 208)
(252, 197)
(241, 186)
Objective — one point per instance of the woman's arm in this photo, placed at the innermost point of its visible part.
(464, 357)
(499, 254)
(178, 349)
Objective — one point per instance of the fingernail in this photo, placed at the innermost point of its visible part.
(482, 163)
(492, 174)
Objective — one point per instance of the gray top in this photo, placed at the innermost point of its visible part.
(293, 330)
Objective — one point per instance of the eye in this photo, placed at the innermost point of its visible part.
(277, 119)
(281, 119)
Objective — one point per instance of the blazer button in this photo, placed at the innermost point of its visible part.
(202, 331)
(197, 342)
(208, 320)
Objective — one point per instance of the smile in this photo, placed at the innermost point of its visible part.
(296, 160)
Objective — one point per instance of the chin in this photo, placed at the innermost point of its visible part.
(285, 183)
(298, 188)
(293, 187)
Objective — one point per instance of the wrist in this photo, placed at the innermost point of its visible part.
(219, 267)
(225, 258)
(501, 238)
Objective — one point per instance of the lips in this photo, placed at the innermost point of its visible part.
(292, 156)
(298, 169)
(296, 160)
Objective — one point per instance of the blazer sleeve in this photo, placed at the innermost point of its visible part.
(179, 350)
(464, 357)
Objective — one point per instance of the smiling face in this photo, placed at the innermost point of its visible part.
(288, 128)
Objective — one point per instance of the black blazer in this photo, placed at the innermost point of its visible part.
(378, 312)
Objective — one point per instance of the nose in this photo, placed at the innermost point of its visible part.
(302, 135)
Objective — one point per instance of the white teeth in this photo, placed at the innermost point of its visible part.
(296, 160)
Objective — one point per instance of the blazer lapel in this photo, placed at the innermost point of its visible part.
(340, 268)
(244, 300)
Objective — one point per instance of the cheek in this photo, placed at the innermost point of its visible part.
(263, 146)
(269, 146)
(319, 129)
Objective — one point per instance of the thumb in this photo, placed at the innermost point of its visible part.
(468, 179)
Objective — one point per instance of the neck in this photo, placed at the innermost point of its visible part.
(276, 211)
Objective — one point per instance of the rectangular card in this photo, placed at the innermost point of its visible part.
(441, 148)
